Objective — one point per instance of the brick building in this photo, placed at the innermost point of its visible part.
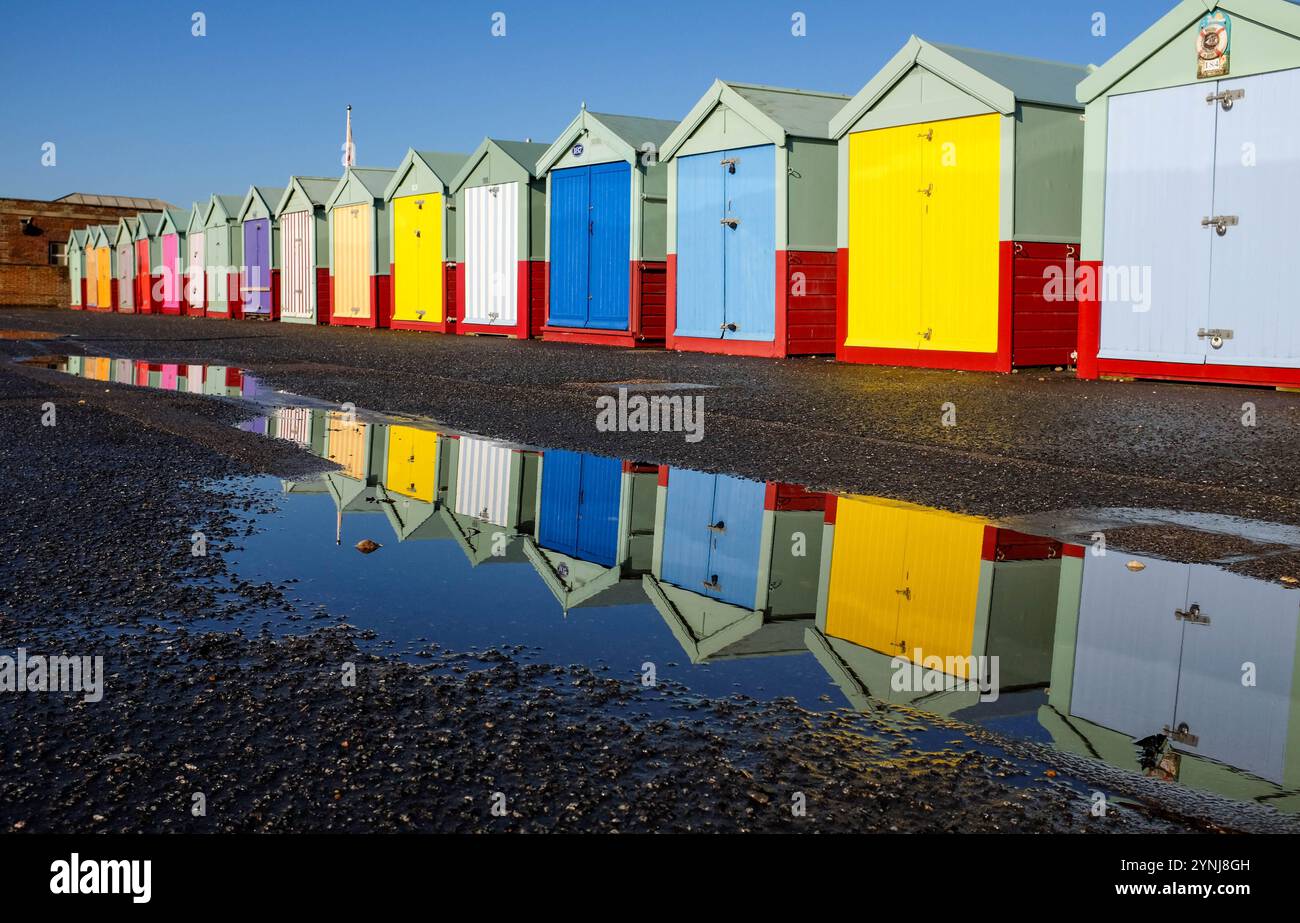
(34, 238)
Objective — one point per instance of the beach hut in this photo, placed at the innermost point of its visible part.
(905, 584)
(90, 241)
(360, 248)
(734, 570)
(304, 250)
(77, 269)
(171, 234)
(148, 263)
(1190, 629)
(500, 215)
(1191, 191)
(960, 173)
(423, 231)
(489, 491)
(606, 225)
(105, 264)
(595, 527)
(751, 222)
(196, 278)
(124, 263)
(260, 286)
(223, 254)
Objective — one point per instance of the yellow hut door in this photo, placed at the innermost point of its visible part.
(885, 252)
(940, 586)
(411, 456)
(961, 167)
(104, 280)
(867, 568)
(417, 255)
(352, 261)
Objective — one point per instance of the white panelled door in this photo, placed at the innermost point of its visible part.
(194, 270)
(298, 262)
(1257, 182)
(491, 254)
(1159, 185)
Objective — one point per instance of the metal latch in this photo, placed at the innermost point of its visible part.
(1220, 223)
(419, 203)
(731, 326)
(1216, 337)
(417, 233)
(1182, 735)
(1192, 615)
(927, 191)
(927, 135)
(731, 222)
(1225, 98)
(730, 163)
(712, 583)
(719, 526)
(926, 333)
(905, 592)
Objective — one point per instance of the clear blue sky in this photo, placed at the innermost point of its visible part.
(138, 106)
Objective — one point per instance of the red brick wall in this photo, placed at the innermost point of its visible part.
(26, 276)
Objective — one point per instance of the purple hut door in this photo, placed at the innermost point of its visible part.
(257, 263)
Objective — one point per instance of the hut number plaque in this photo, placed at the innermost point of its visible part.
(1213, 44)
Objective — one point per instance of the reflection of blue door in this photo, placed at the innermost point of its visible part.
(580, 505)
(712, 534)
(590, 246)
(726, 244)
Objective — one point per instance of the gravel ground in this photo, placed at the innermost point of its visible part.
(95, 558)
(1032, 442)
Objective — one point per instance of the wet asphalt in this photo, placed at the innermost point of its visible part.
(95, 542)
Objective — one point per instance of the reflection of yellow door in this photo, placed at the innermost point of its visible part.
(417, 258)
(351, 266)
(885, 212)
(104, 269)
(904, 577)
(960, 301)
(411, 455)
(923, 235)
(348, 445)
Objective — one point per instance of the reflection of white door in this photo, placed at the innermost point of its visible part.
(1159, 185)
(1251, 622)
(194, 272)
(491, 254)
(1126, 654)
(483, 480)
(1257, 181)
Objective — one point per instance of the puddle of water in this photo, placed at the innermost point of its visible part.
(1183, 672)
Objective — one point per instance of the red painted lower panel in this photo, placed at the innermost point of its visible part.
(781, 496)
(324, 295)
(646, 288)
(804, 310)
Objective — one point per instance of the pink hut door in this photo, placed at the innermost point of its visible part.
(171, 270)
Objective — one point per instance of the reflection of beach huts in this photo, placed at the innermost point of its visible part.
(355, 447)
(899, 578)
(595, 528)
(413, 485)
(491, 495)
(1200, 655)
(735, 563)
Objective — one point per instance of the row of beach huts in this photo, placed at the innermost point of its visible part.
(965, 210)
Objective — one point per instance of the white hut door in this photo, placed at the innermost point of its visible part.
(1257, 184)
(194, 275)
(1155, 285)
(298, 258)
(491, 254)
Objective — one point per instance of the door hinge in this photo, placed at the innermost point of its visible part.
(731, 222)
(1220, 223)
(1193, 614)
(1225, 98)
(927, 191)
(1182, 735)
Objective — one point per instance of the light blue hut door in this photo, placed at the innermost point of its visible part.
(1155, 285)
(701, 195)
(712, 528)
(749, 231)
(1256, 185)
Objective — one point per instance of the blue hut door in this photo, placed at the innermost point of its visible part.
(580, 506)
(749, 229)
(590, 242)
(1256, 183)
(701, 194)
(712, 531)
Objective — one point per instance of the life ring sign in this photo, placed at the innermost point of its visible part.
(1213, 44)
